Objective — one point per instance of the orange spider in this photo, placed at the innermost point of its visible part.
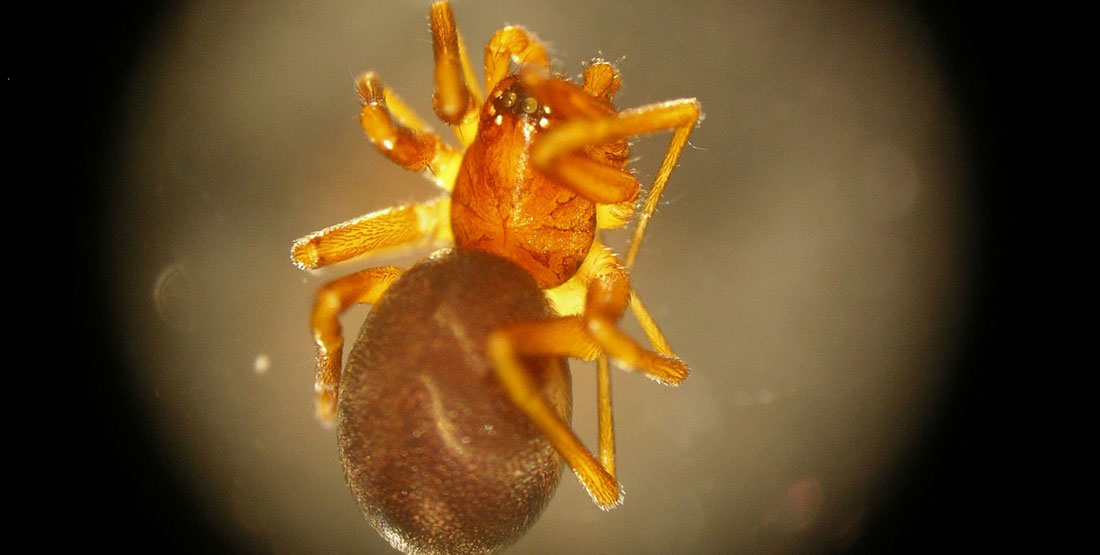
(456, 401)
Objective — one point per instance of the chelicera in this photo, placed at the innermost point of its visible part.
(455, 403)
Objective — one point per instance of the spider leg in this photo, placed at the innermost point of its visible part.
(607, 297)
(334, 298)
(604, 416)
(399, 134)
(397, 226)
(512, 44)
(590, 335)
(680, 116)
(407, 141)
(602, 80)
(569, 298)
(562, 336)
(561, 151)
(457, 98)
(649, 326)
(574, 151)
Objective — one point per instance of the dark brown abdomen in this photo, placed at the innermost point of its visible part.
(438, 458)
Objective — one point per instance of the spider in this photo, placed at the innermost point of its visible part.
(455, 403)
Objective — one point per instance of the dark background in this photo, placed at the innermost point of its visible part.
(86, 453)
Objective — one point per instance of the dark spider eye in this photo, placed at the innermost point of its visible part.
(509, 99)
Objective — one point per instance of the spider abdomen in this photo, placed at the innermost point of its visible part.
(437, 456)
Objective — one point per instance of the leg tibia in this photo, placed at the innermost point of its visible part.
(589, 178)
(560, 336)
(681, 116)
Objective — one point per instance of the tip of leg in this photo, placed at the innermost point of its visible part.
(671, 371)
(304, 253)
(608, 499)
(607, 506)
(326, 409)
(604, 490)
(370, 89)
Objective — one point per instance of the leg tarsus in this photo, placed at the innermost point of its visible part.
(625, 351)
(602, 80)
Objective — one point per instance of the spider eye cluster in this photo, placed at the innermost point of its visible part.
(519, 103)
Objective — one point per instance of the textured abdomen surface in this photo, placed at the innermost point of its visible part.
(438, 457)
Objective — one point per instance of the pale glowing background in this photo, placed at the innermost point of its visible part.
(809, 260)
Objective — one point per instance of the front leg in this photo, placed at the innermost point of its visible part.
(402, 136)
(457, 97)
(371, 233)
(560, 152)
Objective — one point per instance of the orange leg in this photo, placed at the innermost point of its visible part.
(504, 349)
(512, 44)
(457, 98)
(407, 141)
(452, 99)
(569, 159)
(334, 298)
(392, 227)
(680, 116)
(602, 81)
(574, 151)
(608, 295)
(565, 336)
(560, 152)
(649, 326)
(593, 334)
(604, 416)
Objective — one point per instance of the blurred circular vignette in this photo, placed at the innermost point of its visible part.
(813, 260)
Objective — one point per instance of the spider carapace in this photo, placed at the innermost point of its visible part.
(455, 403)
